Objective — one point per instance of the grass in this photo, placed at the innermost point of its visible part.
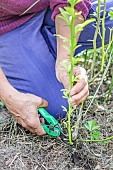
(23, 150)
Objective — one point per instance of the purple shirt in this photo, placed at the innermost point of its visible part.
(11, 9)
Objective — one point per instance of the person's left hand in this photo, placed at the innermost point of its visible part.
(80, 90)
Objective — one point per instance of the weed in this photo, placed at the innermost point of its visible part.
(92, 127)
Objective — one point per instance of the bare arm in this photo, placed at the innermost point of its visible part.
(80, 91)
(22, 106)
(64, 31)
(6, 90)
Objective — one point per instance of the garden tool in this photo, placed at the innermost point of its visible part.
(53, 128)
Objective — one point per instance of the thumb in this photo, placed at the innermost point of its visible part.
(41, 102)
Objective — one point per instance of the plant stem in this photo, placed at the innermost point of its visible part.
(72, 51)
(101, 140)
(95, 38)
(85, 59)
(103, 77)
(103, 37)
(69, 124)
(75, 133)
(71, 76)
(110, 88)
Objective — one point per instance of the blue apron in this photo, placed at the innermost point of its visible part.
(28, 56)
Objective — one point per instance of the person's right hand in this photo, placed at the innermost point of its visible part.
(24, 109)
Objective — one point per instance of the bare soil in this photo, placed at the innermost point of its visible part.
(21, 150)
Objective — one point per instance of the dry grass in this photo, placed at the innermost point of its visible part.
(20, 150)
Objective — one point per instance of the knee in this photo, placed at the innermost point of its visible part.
(55, 107)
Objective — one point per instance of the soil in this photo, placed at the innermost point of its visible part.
(21, 150)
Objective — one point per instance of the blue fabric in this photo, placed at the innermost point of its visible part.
(30, 66)
(28, 55)
(89, 31)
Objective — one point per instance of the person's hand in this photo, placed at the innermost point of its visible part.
(24, 109)
(80, 90)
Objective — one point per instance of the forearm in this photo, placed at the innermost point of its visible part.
(63, 30)
(22, 106)
(6, 90)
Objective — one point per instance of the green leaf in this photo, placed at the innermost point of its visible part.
(70, 11)
(95, 135)
(76, 60)
(74, 2)
(77, 46)
(87, 126)
(79, 27)
(65, 19)
(64, 109)
(111, 15)
(65, 15)
(95, 127)
(75, 79)
(67, 48)
(65, 92)
(63, 38)
(90, 125)
(65, 65)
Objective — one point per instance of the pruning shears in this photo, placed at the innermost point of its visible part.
(53, 128)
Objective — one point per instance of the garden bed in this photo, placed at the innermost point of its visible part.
(21, 150)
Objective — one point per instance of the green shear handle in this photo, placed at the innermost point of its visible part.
(53, 128)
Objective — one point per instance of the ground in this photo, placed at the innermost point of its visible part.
(21, 150)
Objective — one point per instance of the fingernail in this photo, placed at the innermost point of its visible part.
(75, 106)
(72, 93)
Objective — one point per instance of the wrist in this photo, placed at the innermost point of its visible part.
(7, 92)
(60, 72)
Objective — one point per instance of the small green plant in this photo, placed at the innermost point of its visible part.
(97, 32)
(93, 129)
(69, 15)
(103, 37)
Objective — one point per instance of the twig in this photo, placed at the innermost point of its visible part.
(104, 75)
(75, 133)
(29, 8)
(15, 157)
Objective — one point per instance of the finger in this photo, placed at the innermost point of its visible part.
(42, 103)
(80, 95)
(38, 101)
(39, 129)
(75, 104)
(42, 120)
(34, 123)
(79, 71)
(83, 99)
(78, 87)
(24, 125)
